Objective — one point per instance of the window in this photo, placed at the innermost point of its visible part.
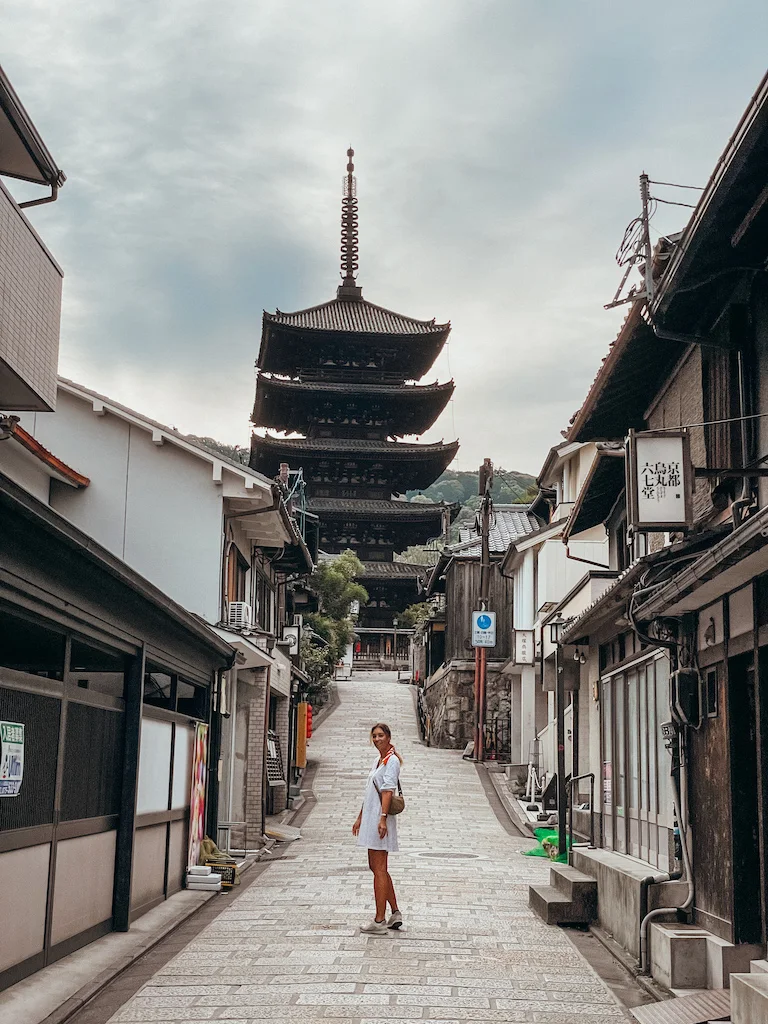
(93, 759)
(158, 688)
(91, 668)
(720, 383)
(26, 646)
(264, 601)
(637, 797)
(191, 700)
(165, 690)
(237, 573)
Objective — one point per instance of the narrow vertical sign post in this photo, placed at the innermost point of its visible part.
(11, 758)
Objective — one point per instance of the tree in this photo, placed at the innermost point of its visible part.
(334, 583)
(330, 631)
(414, 615)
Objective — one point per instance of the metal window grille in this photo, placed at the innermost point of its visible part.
(275, 770)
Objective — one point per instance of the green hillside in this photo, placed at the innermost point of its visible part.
(509, 487)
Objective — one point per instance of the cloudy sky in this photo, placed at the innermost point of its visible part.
(498, 148)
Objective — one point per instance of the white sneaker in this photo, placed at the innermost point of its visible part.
(395, 920)
(374, 927)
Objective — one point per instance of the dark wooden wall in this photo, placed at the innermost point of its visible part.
(462, 588)
(710, 811)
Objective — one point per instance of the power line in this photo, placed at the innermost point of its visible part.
(672, 184)
(670, 202)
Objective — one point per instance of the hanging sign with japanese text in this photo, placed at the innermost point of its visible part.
(524, 647)
(11, 758)
(659, 481)
(483, 629)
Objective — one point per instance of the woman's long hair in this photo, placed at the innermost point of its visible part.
(388, 733)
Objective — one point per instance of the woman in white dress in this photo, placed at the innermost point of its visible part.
(377, 830)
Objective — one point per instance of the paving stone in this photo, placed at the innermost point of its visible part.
(288, 948)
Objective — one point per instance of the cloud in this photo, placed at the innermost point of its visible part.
(498, 146)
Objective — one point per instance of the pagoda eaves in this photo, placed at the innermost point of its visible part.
(349, 333)
(348, 467)
(323, 407)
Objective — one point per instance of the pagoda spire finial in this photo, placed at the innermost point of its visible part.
(349, 289)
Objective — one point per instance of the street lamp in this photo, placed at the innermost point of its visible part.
(556, 628)
(397, 664)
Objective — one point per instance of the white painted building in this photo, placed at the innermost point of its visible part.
(205, 530)
(548, 574)
(160, 502)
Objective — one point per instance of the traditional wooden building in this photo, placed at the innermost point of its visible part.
(342, 374)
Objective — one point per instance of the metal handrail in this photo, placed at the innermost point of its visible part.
(569, 804)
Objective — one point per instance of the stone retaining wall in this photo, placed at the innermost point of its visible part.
(449, 696)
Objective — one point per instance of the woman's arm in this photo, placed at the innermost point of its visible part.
(386, 800)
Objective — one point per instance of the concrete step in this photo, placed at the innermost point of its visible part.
(573, 883)
(758, 966)
(749, 998)
(554, 907)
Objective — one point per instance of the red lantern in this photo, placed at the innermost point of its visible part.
(309, 721)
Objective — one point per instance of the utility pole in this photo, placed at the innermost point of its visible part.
(645, 198)
(485, 484)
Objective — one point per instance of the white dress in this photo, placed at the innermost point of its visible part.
(386, 777)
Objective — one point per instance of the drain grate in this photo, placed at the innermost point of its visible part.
(449, 855)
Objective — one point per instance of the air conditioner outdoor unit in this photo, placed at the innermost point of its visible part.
(239, 615)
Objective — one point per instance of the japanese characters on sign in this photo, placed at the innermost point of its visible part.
(11, 758)
(659, 481)
(524, 647)
(483, 629)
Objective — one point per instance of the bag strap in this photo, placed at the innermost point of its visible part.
(399, 788)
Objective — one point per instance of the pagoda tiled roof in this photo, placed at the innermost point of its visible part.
(352, 388)
(356, 316)
(393, 570)
(351, 445)
(355, 507)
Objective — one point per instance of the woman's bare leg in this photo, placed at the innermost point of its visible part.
(391, 898)
(382, 883)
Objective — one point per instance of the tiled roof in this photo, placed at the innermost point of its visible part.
(509, 523)
(393, 570)
(34, 447)
(415, 391)
(356, 316)
(384, 509)
(347, 444)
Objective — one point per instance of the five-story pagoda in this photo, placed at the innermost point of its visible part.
(342, 374)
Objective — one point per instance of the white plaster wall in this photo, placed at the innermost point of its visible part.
(154, 506)
(25, 470)
(96, 446)
(173, 523)
(522, 603)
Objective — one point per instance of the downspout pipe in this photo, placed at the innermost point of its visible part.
(41, 202)
(644, 924)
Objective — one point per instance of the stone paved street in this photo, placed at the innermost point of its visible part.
(290, 949)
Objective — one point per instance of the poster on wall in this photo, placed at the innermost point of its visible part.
(11, 758)
(197, 796)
